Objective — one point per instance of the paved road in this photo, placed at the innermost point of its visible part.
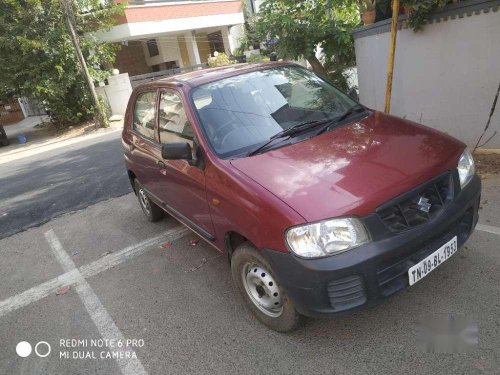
(35, 189)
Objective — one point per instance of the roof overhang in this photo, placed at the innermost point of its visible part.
(149, 29)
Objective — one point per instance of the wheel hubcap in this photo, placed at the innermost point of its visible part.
(262, 289)
(144, 201)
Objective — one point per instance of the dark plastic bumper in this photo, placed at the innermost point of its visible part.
(367, 275)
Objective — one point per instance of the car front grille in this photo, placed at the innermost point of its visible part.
(393, 277)
(410, 210)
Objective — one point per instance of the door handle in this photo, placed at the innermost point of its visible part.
(161, 164)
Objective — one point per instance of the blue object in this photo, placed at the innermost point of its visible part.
(21, 138)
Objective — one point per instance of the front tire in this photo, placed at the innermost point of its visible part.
(151, 210)
(260, 289)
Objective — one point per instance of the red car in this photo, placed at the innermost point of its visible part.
(321, 204)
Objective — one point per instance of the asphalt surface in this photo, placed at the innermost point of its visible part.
(38, 188)
(134, 280)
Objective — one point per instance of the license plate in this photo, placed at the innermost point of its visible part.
(433, 261)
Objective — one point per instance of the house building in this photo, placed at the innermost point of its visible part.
(156, 35)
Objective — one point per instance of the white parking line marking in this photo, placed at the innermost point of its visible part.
(36, 293)
(43, 290)
(100, 316)
(488, 228)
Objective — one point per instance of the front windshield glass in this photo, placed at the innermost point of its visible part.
(240, 113)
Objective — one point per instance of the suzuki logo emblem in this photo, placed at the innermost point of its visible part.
(424, 205)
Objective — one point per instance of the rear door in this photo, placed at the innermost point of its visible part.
(179, 184)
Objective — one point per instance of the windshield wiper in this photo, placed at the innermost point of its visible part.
(355, 109)
(297, 128)
(260, 148)
(349, 112)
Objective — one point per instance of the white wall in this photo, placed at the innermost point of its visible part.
(117, 93)
(445, 76)
(236, 34)
(168, 48)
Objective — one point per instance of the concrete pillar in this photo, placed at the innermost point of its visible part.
(21, 104)
(228, 43)
(192, 47)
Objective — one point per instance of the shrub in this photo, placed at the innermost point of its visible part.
(220, 60)
(257, 59)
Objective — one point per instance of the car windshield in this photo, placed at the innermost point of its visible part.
(243, 112)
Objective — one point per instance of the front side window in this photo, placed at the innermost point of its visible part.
(172, 120)
(144, 114)
(244, 111)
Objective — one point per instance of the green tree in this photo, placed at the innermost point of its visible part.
(37, 57)
(300, 27)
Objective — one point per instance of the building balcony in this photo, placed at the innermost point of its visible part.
(164, 35)
(143, 19)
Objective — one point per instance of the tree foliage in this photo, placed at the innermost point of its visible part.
(300, 27)
(37, 58)
(421, 10)
(251, 39)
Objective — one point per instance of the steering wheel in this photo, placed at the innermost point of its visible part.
(236, 132)
(222, 132)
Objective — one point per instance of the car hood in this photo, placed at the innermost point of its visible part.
(355, 168)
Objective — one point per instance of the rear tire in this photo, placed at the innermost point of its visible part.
(151, 210)
(260, 289)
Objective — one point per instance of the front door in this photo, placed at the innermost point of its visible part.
(180, 186)
(143, 143)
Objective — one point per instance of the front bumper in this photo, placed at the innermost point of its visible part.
(367, 275)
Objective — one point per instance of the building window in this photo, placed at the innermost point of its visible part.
(153, 48)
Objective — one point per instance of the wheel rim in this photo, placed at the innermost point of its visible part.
(144, 201)
(262, 289)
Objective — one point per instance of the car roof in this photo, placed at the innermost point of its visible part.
(202, 76)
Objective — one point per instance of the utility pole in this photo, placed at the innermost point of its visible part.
(392, 52)
(100, 117)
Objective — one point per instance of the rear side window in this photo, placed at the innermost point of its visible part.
(172, 120)
(144, 114)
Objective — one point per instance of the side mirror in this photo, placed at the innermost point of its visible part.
(177, 151)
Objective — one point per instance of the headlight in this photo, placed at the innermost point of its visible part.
(326, 237)
(466, 168)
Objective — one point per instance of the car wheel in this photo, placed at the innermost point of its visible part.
(150, 209)
(261, 290)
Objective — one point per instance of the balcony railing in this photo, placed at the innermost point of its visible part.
(149, 77)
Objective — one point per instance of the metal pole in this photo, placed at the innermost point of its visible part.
(100, 118)
(392, 52)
